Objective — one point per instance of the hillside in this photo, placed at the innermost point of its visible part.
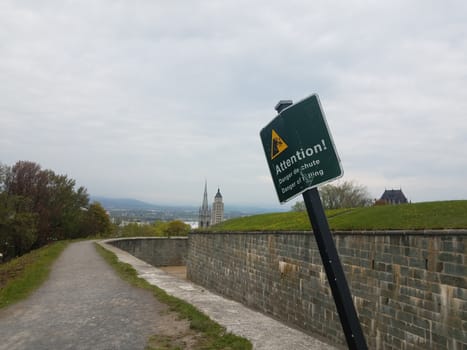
(124, 203)
(418, 216)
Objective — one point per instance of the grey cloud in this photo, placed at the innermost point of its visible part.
(149, 98)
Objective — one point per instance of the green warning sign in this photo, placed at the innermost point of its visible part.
(299, 149)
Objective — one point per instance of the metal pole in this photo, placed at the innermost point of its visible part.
(332, 265)
(334, 272)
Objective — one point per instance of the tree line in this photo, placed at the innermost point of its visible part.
(38, 206)
(346, 194)
(155, 229)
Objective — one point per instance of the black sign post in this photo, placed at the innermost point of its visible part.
(327, 248)
(334, 272)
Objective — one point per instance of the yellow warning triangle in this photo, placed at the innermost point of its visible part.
(278, 145)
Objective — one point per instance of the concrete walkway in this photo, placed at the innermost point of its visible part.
(264, 332)
(83, 305)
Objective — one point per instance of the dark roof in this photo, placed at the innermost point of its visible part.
(394, 196)
(218, 194)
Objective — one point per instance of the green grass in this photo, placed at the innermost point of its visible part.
(418, 216)
(214, 335)
(291, 221)
(21, 276)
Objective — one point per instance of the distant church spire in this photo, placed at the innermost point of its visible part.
(204, 212)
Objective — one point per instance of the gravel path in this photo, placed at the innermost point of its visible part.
(83, 305)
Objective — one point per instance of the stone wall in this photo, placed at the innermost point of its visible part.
(409, 288)
(157, 251)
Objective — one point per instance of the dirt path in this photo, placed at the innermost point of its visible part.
(85, 305)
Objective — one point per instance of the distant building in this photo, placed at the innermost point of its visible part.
(204, 212)
(392, 197)
(208, 217)
(217, 209)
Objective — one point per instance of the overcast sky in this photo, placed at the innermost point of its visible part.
(147, 99)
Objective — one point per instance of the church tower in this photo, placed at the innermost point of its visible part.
(217, 208)
(204, 212)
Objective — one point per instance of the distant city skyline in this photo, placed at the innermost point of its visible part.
(146, 100)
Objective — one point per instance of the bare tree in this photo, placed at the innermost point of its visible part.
(298, 206)
(346, 194)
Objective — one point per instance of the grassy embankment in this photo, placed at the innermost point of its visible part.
(417, 216)
(21, 276)
(213, 336)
